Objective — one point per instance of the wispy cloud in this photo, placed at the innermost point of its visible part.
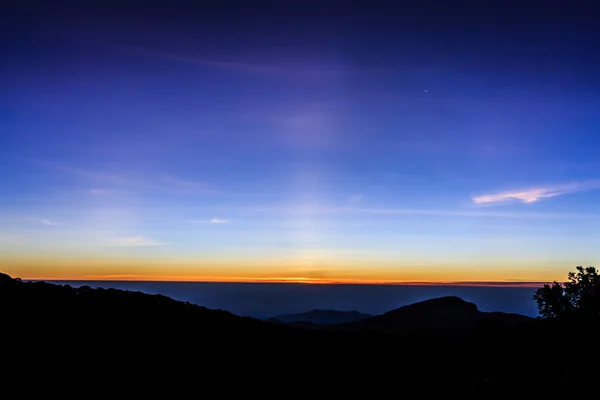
(468, 213)
(308, 66)
(48, 222)
(185, 185)
(98, 192)
(112, 276)
(312, 126)
(124, 179)
(355, 199)
(534, 194)
(214, 220)
(132, 241)
(109, 178)
(229, 65)
(313, 209)
(8, 238)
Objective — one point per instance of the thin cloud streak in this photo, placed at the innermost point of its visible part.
(214, 220)
(187, 186)
(133, 241)
(534, 194)
(235, 66)
(48, 222)
(135, 180)
(320, 209)
(468, 213)
(9, 238)
(290, 67)
(98, 192)
(475, 283)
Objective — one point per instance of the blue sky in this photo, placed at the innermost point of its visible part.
(355, 143)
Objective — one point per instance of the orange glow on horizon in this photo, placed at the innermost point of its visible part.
(297, 280)
(170, 270)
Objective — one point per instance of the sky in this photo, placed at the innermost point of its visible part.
(254, 141)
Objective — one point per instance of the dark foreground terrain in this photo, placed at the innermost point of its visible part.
(138, 344)
(322, 317)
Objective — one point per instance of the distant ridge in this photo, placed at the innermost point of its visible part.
(444, 315)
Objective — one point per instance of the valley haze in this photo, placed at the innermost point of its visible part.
(265, 300)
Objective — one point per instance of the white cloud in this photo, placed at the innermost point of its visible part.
(214, 220)
(532, 195)
(48, 222)
(133, 241)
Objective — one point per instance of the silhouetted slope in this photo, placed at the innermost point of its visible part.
(301, 324)
(114, 340)
(88, 308)
(444, 315)
(323, 317)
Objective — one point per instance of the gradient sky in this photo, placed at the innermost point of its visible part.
(243, 142)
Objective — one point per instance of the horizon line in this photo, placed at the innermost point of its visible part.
(294, 280)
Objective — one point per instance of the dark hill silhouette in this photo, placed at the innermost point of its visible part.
(132, 311)
(299, 324)
(116, 340)
(444, 315)
(323, 317)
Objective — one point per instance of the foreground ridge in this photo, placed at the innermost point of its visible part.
(150, 334)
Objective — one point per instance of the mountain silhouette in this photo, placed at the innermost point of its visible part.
(323, 317)
(91, 336)
(85, 308)
(443, 315)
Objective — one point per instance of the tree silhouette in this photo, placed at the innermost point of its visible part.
(578, 296)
